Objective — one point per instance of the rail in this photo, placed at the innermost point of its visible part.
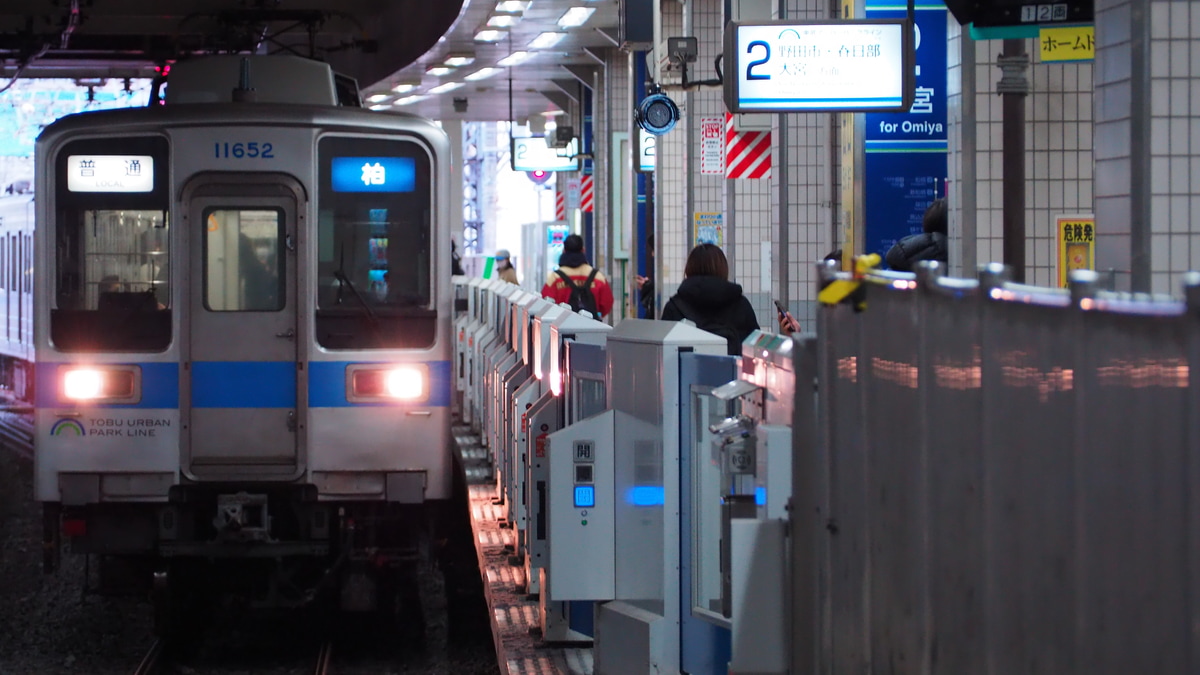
(152, 662)
(324, 658)
(16, 431)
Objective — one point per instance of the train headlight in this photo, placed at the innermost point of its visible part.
(406, 382)
(100, 384)
(83, 384)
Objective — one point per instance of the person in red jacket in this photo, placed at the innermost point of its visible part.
(574, 264)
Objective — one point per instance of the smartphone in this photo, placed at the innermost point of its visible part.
(782, 310)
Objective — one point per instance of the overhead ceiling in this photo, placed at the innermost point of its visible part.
(381, 43)
(542, 83)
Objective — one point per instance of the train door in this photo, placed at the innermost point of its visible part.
(244, 391)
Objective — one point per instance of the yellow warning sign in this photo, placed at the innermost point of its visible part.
(1076, 244)
(1074, 43)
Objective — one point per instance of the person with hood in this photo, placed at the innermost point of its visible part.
(588, 284)
(708, 299)
(930, 244)
(504, 268)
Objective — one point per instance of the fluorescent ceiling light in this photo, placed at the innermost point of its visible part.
(409, 99)
(482, 74)
(511, 6)
(490, 35)
(438, 71)
(513, 59)
(504, 20)
(457, 60)
(380, 106)
(546, 40)
(576, 17)
(376, 98)
(404, 87)
(443, 88)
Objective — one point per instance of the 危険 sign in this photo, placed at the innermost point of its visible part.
(851, 65)
(1076, 245)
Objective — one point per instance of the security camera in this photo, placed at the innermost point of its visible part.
(739, 426)
(561, 137)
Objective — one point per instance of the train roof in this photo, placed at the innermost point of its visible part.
(154, 118)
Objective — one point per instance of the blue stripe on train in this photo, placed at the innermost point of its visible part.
(327, 385)
(160, 386)
(243, 384)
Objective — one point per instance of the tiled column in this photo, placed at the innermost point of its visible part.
(1058, 154)
(1169, 129)
(1121, 142)
(672, 180)
(803, 194)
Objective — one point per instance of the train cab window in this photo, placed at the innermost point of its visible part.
(374, 256)
(242, 261)
(111, 247)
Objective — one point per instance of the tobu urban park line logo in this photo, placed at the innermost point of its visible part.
(67, 427)
(111, 426)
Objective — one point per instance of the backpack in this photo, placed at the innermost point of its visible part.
(581, 296)
(717, 325)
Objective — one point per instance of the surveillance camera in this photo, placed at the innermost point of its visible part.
(561, 137)
(740, 425)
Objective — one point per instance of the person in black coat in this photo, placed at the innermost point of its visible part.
(645, 284)
(707, 298)
(931, 244)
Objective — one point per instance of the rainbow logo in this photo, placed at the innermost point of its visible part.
(67, 427)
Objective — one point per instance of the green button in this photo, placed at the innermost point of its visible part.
(585, 523)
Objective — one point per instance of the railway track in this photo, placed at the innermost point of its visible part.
(152, 662)
(16, 426)
(324, 659)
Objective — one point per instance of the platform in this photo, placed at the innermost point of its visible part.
(514, 617)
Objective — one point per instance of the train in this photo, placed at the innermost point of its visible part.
(237, 340)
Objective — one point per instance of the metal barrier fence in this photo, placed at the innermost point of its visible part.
(997, 478)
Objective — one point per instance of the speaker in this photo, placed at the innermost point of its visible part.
(656, 114)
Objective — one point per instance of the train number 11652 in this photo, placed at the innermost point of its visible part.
(241, 150)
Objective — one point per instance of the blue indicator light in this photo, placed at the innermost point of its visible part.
(760, 496)
(585, 496)
(645, 495)
(374, 174)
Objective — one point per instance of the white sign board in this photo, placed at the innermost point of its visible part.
(110, 173)
(835, 66)
(532, 154)
(712, 146)
(648, 143)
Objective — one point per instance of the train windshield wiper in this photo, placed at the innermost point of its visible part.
(345, 280)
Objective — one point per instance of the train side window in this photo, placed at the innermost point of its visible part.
(242, 262)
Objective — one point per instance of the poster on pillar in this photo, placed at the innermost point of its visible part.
(573, 193)
(905, 163)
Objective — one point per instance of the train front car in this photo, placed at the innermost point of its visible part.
(242, 339)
